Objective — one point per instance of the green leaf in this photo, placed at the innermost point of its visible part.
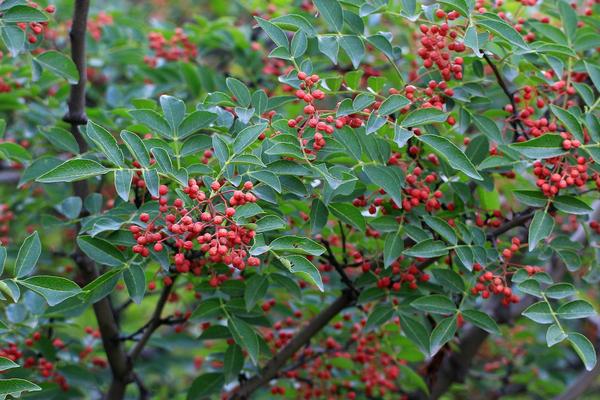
(256, 289)
(245, 336)
(154, 121)
(502, 29)
(15, 386)
(233, 362)
(297, 244)
(163, 160)
(194, 122)
(59, 64)
(247, 136)
(416, 332)
(295, 22)
(392, 104)
(568, 120)
(332, 12)
(174, 111)
(392, 248)
(276, 34)
(576, 309)
(101, 251)
(533, 198)
(135, 281)
(442, 228)
(240, 91)
(545, 146)
(106, 142)
(73, 170)
(70, 207)
(571, 205)
(434, 304)
(423, 116)
(594, 73)
(560, 290)
(349, 214)
(385, 179)
(481, 320)
(569, 19)
(207, 309)
(329, 46)
(152, 181)
(54, 289)
(318, 215)
(354, 48)
(449, 279)
(14, 39)
(137, 147)
(61, 139)
(270, 223)
(380, 314)
(465, 255)
(206, 385)
(21, 13)
(531, 287)
(300, 266)
(584, 349)
(455, 157)
(123, 179)
(28, 255)
(540, 228)
(428, 248)
(102, 286)
(554, 335)
(13, 151)
(539, 312)
(488, 127)
(299, 44)
(6, 364)
(442, 334)
(2, 259)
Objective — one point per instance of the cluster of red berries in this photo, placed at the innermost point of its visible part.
(208, 222)
(488, 283)
(438, 41)
(493, 219)
(418, 191)
(46, 368)
(96, 23)
(378, 370)
(514, 247)
(313, 118)
(177, 48)
(309, 94)
(36, 29)
(6, 216)
(412, 275)
(556, 173)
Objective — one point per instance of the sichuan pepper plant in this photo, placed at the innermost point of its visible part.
(308, 199)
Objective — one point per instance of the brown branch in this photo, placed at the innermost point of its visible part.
(275, 364)
(109, 330)
(517, 220)
(154, 323)
(515, 122)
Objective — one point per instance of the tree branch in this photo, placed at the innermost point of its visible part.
(275, 364)
(515, 122)
(154, 323)
(76, 116)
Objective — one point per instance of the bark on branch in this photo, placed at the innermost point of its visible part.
(76, 116)
(275, 364)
